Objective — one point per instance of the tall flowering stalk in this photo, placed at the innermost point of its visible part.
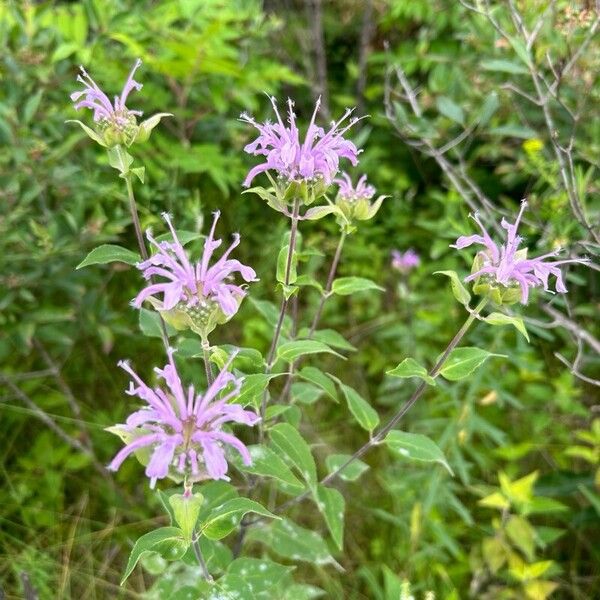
(504, 271)
(178, 432)
(116, 129)
(304, 168)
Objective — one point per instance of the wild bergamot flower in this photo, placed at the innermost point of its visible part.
(504, 271)
(178, 433)
(198, 295)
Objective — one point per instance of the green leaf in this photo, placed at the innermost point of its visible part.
(167, 541)
(90, 132)
(305, 393)
(409, 367)
(109, 253)
(503, 66)
(522, 535)
(332, 505)
(319, 378)
(463, 361)
(318, 212)
(350, 473)
(416, 447)
(290, 351)
(344, 286)
(296, 543)
(497, 318)
(120, 159)
(450, 109)
(363, 412)
(289, 443)
(267, 463)
(263, 576)
(488, 109)
(140, 173)
(186, 510)
(226, 517)
(282, 259)
(333, 338)
(253, 388)
(458, 289)
(149, 322)
(302, 591)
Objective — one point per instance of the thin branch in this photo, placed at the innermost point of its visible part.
(574, 370)
(51, 424)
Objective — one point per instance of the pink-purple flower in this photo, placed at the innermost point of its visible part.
(315, 158)
(507, 266)
(96, 100)
(361, 191)
(179, 431)
(196, 289)
(405, 261)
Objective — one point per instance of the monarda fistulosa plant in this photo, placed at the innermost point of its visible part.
(190, 434)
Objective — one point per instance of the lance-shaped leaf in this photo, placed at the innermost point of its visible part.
(351, 472)
(290, 351)
(167, 541)
(497, 318)
(363, 412)
(463, 361)
(289, 443)
(416, 447)
(225, 518)
(409, 367)
(109, 253)
(345, 286)
(297, 543)
(267, 463)
(331, 504)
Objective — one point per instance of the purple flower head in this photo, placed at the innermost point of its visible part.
(95, 99)
(180, 431)
(508, 266)
(116, 124)
(362, 190)
(405, 261)
(315, 158)
(197, 289)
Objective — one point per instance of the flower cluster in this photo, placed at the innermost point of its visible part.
(179, 432)
(354, 201)
(314, 159)
(199, 296)
(116, 120)
(405, 261)
(350, 193)
(504, 272)
(116, 123)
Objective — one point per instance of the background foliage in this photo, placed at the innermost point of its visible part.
(521, 516)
